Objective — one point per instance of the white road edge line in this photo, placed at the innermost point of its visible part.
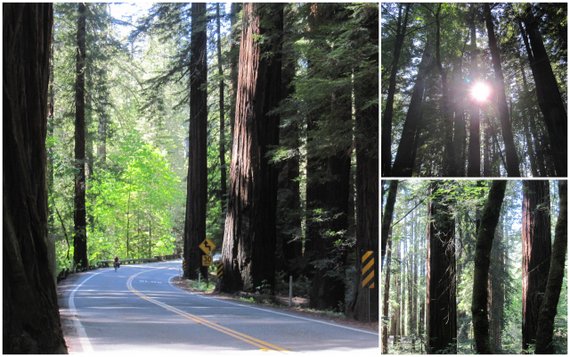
(274, 312)
(82, 335)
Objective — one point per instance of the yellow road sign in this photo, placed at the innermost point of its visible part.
(368, 269)
(207, 246)
(206, 260)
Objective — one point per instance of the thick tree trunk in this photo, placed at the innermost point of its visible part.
(536, 254)
(365, 303)
(79, 216)
(497, 291)
(545, 328)
(249, 236)
(30, 312)
(506, 128)
(388, 214)
(485, 238)
(549, 98)
(386, 299)
(405, 156)
(195, 222)
(389, 109)
(441, 298)
(235, 38)
(221, 88)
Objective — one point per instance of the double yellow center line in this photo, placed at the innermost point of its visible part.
(264, 346)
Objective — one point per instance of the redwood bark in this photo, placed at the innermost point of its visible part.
(545, 329)
(441, 305)
(249, 237)
(79, 214)
(221, 104)
(506, 128)
(197, 187)
(31, 321)
(485, 238)
(536, 254)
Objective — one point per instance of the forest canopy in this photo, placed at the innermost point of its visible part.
(474, 89)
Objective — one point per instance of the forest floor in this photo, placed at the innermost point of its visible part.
(280, 302)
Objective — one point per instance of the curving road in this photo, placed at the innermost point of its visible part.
(138, 309)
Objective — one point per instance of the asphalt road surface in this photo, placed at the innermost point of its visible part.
(138, 309)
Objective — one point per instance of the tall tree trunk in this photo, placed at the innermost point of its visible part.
(389, 109)
(506, 128)
(485, 238)
(250, 221)
(30, 312)
(386, 299)
(235, 37)
(405, 156)
(221, 86)
(549, 98)
(79, 217)
(441, 298)
(545, 328)
(536, 254)
(388, 214)
(496, 302)
(474, 156)
(365, 302)
(195, 222)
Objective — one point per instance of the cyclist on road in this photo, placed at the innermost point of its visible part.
(117, 263)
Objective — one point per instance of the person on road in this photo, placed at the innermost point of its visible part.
(117, 263)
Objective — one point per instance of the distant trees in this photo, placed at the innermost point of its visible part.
(471, 247)
(30, 311)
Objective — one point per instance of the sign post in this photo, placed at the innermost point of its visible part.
(367, 275)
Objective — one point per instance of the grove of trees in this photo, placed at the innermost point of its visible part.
(474, 267)
(157, 126)
(475, 90)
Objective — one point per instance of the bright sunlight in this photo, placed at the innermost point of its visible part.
(480, 91)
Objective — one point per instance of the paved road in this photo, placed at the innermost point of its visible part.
(138, 309)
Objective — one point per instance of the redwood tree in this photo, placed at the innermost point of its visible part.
(79, 216)
(485, 236)
(545, 329)
(30, 312)
(441, 302)
(249, 235)
(195, 224)
(536, 254)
